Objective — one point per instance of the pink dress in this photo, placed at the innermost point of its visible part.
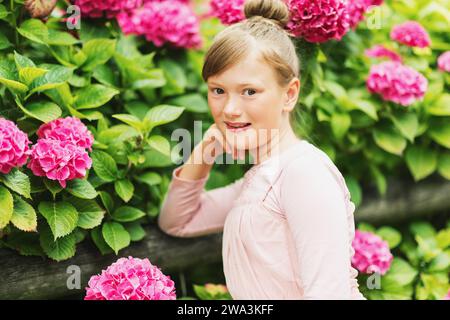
(287, 226)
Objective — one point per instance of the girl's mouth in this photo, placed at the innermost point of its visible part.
(237, 126)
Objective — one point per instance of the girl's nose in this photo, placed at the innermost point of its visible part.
(232, 109)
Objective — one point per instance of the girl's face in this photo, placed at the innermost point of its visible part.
(248, 104)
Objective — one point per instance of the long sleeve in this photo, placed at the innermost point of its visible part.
(189, 210)
(315, 209)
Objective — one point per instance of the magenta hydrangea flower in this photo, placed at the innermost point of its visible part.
(68, 129)
(411, 33)
(397, 83)
(172, 22)
(379, 51)
(372, 253)
(131, 279)
(228, 11)
(14, 149)
(356, 10)
(318, 20)
(59, 160)
(108, 8)
(444, 61)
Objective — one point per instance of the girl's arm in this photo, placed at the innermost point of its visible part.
(188, 210)
(316, 211)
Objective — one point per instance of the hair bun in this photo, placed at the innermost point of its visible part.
(275, 10)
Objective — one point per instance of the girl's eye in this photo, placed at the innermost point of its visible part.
(250, 91)
(219, 91)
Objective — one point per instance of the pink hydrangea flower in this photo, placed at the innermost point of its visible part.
(356, 10)
(59, 160)
(68, 129)
(379, 51)
(397, 83)
(14, 149)
(411, 33)
(447, 297)
(372, 254)
(109, 8)
(444, 61)
(131, 279)
(228, 11)
(172, 22)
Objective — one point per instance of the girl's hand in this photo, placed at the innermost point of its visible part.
(215, 140)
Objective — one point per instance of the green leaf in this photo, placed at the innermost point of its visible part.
(392, 236)
(26, 243)
(444, 165)
(97, 237)
(60, 38)
(423, 229)
(18, 182)
(55, 77)
(81, 188)
(98, 51)
(193, 102)
(379, 178)
(421, 161)
(137, 233)
(127, 214)
(130, 120)
(115, 236)
(443, 238)
(161, 115)
(59, 249)
(107, 201)
(104, 166)
(53, 186)
(440, 263)
(176, 77)
(150, 178)
(160, 144)
(407, 123)
(439, 131)
(354, 189)
(62, 217)
(368, 108)
(441, 107)
(34, 30)
(4, 42)
(28, 74)
(363, 226)
(401, 273)
(6, 207)
(94, 96)
(24, 217)
(124, 189)
(90, 214)
(340, 123)
(9, 76)
(44, 111)
(388, 139)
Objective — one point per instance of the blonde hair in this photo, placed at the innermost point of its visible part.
(263, 29)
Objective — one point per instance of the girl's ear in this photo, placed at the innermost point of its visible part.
(291, 95)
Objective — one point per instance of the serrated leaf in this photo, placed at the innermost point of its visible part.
(6, 206)
(115, 236)
(107, 201)
(44, 111)
(98, 51)
(104, 166)
(127, 214)
(130, 120)
(90, 214)
(81, 188)
(34, 30)
(137, 233)
(56, 76)
(18, 182)
(62, 217)
(59, 249)
(160, 144)
(24, 217)
(162, 114)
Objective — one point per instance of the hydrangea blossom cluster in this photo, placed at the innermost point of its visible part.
(14, 149)
(412, 34)
(228, 11)
(444, 62)
(131, 279)
(318, 20)
(108, 8)
(396, 82)
(172, 22)
(379, 51)
(59, 153)
(372, 254)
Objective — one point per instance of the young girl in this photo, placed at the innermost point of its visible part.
(288, 223)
